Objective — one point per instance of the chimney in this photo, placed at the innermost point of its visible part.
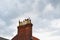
(25, 30)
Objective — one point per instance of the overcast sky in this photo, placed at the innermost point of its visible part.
(44, 14)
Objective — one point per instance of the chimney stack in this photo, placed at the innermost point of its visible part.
(25, 30)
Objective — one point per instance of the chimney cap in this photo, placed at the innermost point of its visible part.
(25, 21)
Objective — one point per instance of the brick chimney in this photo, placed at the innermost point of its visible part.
(25, 30)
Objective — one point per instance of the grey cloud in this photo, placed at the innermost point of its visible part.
(42, 3)
(7, 32)
(55, 2)
(55, 14)
(10, 9)
(26, 1)
(41, 6)
(43, 23)
(56, 33)
(22, 1)
(13, 11)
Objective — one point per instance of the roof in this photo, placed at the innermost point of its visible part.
(3, 38)
(34, 38)
(16, 37)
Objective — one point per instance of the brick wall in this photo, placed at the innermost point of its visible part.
(25, 32)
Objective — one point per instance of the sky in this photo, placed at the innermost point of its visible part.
(44, 14)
